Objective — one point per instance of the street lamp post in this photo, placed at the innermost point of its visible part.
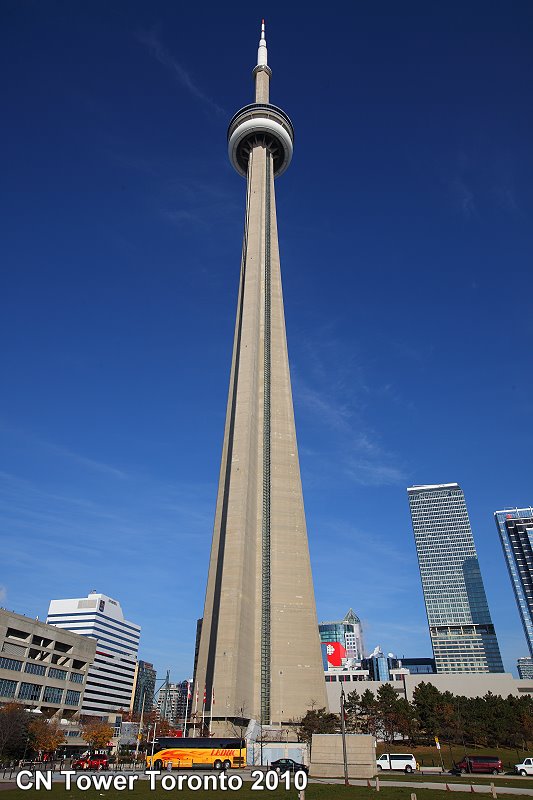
(343, 732)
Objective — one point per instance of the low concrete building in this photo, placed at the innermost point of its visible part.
(41, 666)
(466, 684)
(327, 758)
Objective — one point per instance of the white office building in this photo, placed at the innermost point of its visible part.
(110, 679)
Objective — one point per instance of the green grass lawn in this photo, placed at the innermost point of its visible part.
(499, 780)
(313, 792)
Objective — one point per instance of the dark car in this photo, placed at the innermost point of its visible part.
(288, 765)
(471, 764)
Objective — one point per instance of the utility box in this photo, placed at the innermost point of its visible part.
(327, 759)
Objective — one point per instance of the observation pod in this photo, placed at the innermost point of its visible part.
(260, 124)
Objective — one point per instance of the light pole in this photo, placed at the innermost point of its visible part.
(343, 732)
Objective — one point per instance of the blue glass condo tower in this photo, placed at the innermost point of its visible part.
(460, 625)
(515, 526)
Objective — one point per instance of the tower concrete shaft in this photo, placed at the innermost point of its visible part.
(259, 655)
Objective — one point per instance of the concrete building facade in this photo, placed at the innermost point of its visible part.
(259, 653)
(42, 667)
(466, 685)
(461, 630)
(99, 617)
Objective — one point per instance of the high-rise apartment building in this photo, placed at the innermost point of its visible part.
(172, 702)
(142, 697)
(460, 625)
(259, 652)
(347, 631)
(515, 526)
(110, 679)
(524, 666)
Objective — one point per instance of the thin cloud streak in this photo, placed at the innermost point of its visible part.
(64, 452)
(363, 459)
(182, 77)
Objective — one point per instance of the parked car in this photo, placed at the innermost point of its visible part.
(288, 765)
(406, 762)
(491, 764)
(525, 768)
(91, 761)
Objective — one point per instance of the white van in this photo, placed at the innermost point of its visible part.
(403, 761)
(525, 768)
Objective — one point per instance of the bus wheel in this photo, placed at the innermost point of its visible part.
(227, 764)
(158, 764)
(217, 764)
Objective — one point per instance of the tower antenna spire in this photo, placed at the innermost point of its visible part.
(262, 72)
(262, 56)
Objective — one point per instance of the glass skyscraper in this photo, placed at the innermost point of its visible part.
(347, 631)
(515, 526)
(460, 625)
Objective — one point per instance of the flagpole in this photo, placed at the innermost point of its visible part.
(212, 704)
(186, 711)
(343, 732)
(196, 708)
(203, 712)
(139, 734)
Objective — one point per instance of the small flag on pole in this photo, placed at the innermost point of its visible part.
(213, 696)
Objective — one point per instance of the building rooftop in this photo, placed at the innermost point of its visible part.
(423, 487)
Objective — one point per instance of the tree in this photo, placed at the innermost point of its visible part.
(427, 702)
(163, 727)
(46, 734)
(406, 720)
(369, 715)
(524, 716)
(317, 720)
(352, 710)
(96, 733)
(387, 703)
(14, 721)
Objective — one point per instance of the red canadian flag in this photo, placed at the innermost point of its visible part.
(205, 693)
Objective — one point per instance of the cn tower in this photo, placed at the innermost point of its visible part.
(259, 652)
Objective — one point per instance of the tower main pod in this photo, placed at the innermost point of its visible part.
(259, 654)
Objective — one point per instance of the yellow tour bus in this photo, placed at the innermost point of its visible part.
(211, 753)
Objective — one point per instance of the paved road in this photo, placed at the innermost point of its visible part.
(479, 788)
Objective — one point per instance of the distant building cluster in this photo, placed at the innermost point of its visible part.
(84, 659)
(462, 633)
(81, 662)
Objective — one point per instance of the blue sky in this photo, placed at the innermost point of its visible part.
(406, 241)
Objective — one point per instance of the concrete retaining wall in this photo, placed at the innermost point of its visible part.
(327, 757)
